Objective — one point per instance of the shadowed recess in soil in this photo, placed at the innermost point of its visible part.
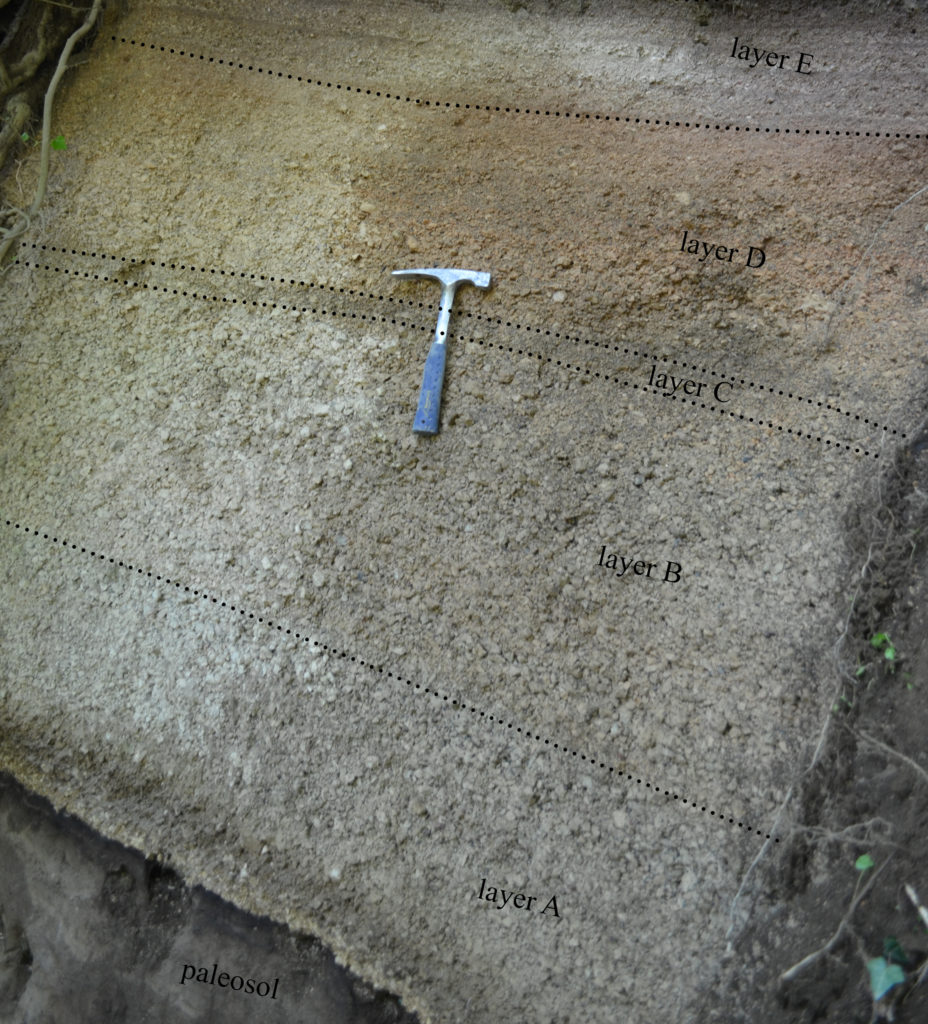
(92, 930)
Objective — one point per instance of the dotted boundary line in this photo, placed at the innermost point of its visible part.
(379, 669)
(491, 320)
(567, 115)
(232, 274)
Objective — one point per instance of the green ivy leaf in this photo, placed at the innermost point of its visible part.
(59, 142)
(864, 862)
(894, 952)
(883, 976)
(879, 640)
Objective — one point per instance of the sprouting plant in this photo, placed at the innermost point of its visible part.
(882, 642)
(842, 699)
(886, 972)
(58, 142)
(890, 970)
(883, 976)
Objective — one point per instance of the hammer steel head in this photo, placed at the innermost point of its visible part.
(426, 421)
(449, 276)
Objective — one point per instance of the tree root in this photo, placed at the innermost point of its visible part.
(10, 234)
(17, 113)
(874, 742)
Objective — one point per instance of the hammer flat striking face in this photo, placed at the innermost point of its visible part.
(426, 421)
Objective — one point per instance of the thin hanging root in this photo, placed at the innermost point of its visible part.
(923, 914)
(70, 7)
(11, 234)
(913, 896)
(858, 834)
(914, 765)
(24, 217)
(16, 114)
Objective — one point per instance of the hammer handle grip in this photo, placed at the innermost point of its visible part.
(426, 421)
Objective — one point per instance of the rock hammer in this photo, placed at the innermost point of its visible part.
(426, 421)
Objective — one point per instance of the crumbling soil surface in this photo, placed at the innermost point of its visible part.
(350, 678)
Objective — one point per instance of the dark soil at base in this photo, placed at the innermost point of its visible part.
(93, 931)
(867, 794)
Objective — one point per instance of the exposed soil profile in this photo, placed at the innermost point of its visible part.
(605, 702)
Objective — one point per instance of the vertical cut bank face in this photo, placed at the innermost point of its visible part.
(334, 702)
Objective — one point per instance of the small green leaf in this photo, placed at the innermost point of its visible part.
(860, 670)
(879, 640)
(890, 653)
(883, 976)
(863, 862)
(25, 136)
(894, 952)
(58, 142)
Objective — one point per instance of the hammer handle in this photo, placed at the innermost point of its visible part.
(426, 421)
